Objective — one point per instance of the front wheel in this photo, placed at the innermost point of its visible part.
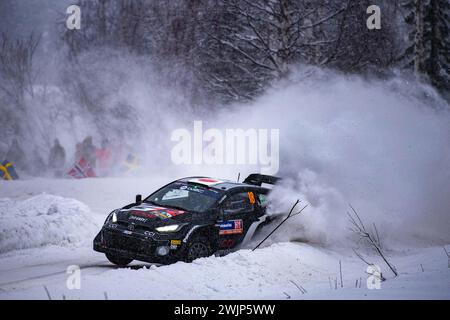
(120, 261)
(198, 247)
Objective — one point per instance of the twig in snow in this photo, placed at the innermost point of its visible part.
(48, 293)
(340, 273)
(446, 252)
(368, 263)
(299, 287)
(362, 258)
(287, 296)
(448, 256)
(329, 281)
(105, 295)
(360, 229)
(421, 266)
(290, 215)
(377, 235)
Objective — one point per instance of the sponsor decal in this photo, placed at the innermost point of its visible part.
(153, 212)
(175, 242)
(174, 213)
(207, 181)
(141, 208)
(230, 227)
(227, 243)
(142, 214)
(162, 214)
(166, 214)
(199, 189)
(141, 219)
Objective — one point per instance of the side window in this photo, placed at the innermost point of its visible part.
(262, 200)
(239, 203)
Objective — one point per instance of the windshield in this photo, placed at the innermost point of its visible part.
(185, 196)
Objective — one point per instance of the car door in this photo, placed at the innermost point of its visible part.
(237, 213)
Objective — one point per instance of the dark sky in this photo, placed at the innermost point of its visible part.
(20, 17)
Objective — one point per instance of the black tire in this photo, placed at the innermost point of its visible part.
(198, 247)
(120, 261)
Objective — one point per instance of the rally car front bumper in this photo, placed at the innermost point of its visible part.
(140, 245)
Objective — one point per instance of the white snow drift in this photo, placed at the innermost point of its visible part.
(43, 220)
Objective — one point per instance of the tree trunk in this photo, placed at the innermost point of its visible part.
(419, 47)
(435, 39)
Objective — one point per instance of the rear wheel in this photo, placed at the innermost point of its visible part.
(120, 261)
(198, 247)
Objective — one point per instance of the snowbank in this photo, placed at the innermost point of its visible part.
(280, 271)
(44, 220)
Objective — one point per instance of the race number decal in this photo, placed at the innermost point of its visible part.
(251, 197)
(231, 227)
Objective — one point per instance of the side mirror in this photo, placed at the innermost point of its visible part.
(138, 199)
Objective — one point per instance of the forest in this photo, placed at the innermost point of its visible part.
(206, 55)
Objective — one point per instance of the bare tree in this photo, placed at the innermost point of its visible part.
(17, 75)
(232, 50)
(247, 44)
(356, 48)
(428, 46)
(372, 240)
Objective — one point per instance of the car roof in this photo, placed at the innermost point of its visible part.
(220, 184)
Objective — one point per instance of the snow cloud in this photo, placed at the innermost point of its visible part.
(382, 146)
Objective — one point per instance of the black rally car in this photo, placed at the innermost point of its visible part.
(186, 219)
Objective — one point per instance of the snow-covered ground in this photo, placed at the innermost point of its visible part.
(43, 234)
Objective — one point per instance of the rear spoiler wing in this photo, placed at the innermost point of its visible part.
(258, 179)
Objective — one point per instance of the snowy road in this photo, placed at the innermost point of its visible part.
(43, 274)
(35, 269)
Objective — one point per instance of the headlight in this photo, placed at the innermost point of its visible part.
(171, 228)
(112, 217)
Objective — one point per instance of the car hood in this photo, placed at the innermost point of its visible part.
(149, 215)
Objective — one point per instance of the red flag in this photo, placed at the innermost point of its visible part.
(82, 169)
